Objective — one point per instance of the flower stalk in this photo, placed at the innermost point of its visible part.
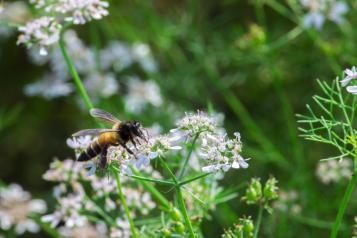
(345, 200)
(72, 70)
(259, 220)
(184, 165)
(123, 201)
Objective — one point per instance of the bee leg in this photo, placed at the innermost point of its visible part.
(132, 141)
(129, 150)
(103, 158)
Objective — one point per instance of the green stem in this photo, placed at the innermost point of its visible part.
(345, 200)
(163, 182)
(172, 175)
(179, 197)
(155, 193)
(72, 70)
(184, 165)
(259, 220)
(184, 211)
(193, 179)
(123, 201)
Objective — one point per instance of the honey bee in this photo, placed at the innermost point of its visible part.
(121, 133)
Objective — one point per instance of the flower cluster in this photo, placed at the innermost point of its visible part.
(16, 207)
(222, 153)
(99, 77)
(43, 32)
(80, 196)
(288, 202)
(350, 74)
(142, 93)
(75, 11)
(196, 123)
(320, 10)
(333, 171)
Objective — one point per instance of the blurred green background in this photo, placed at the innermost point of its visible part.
(249, 60)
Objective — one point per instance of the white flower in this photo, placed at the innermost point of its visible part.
(42, 32)
(314, 19)
(221, 153)
(337, 10)
(49, 87)
(334, 171)
(76, 11)
(122, 230)
(140, 93)
(319, 10)
(142, 54)
(101, 85)
(80, 142)
(68, 211)
(193, 124)
(158, 146)
(352, 89)
(64, 171)
(117, 55)
(15, 208)
(89, 231)
(349, 75)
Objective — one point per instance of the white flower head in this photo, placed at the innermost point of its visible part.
(158, 146)
(65, 171)
(221, 153)
(48, 87)
(334, 171)
(141, 93)
(42, 32)
(68, 210)
(193, 124)
(76, 11)
(16, 206)
(101, 85)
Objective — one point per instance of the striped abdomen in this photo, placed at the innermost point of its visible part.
(92, 150)
(98, 145)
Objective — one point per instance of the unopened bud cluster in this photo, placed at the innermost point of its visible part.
(243, 229)
(256, 193)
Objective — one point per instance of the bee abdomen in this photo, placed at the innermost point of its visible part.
(92, 150)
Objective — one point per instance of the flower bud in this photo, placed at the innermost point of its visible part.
(175, 214)
(270, 189)
(253, 193)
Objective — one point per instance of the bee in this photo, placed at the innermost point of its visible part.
(121, 133)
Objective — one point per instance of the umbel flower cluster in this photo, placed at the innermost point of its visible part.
(44, 31)
(216, 152)
(80, 197)
(17, 209)
(99, 78)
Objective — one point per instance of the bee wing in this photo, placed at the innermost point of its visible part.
(92, 132)
(105, 116)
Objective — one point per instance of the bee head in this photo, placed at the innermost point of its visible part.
(136, 129)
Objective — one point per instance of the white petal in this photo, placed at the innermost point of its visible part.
(153, 155)
(352, 89)
(235, 165)
(243, 163)
(175, 147)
